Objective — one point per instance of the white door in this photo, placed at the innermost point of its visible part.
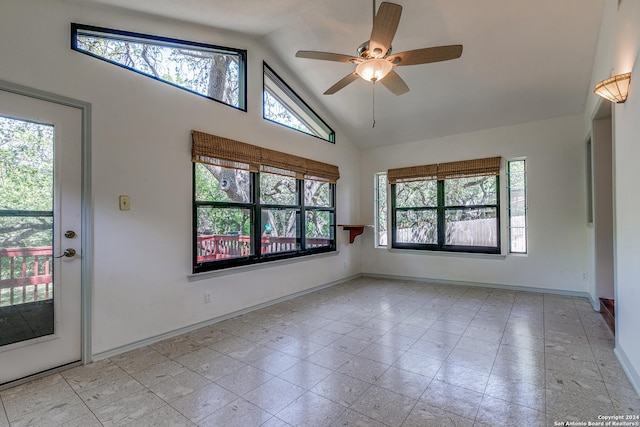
(40, 228)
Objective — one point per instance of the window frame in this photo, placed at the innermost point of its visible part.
(299, 104)
(526, 207)
(168, 42)
(441, 208)
(256, 207)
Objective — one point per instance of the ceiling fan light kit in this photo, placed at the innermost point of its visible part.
(373, 70)
(375, 61)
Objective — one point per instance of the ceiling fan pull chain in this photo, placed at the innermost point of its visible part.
(373, 102)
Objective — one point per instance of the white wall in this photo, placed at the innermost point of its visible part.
(602, 145)
(618, 49)
(141, 147)
(556, 191)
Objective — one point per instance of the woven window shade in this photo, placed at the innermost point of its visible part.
(413, 173)
(470, 168)
(282, 164)
(319, 171)
(219, 151)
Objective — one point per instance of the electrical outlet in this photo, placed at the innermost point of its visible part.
(125, 203)
(585, 275)
(207, 297)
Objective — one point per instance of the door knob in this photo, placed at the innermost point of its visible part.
(69, 234)
(68, 253)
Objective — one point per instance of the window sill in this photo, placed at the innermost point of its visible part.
(496, 257)
(244, 268)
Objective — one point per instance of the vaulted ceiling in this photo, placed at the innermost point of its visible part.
(523, 60)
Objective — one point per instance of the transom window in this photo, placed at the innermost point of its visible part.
(283, 106)
(215, 72)
(255, 205)
(447, 207)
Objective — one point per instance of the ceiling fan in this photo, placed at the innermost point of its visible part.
(375, 62)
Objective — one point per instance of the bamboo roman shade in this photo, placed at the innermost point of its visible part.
(412, 173)
(218, 151)
(469, 168)
(461, 169)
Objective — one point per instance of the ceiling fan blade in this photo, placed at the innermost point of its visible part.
(327, 56)
(349, 78)
(384, 29)
(394, 83)
(426, 55)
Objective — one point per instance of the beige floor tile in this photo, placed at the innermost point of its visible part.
(311, 409)
(453, 399)
(371, 352)
(203, 402)
(424, 414)
(239, 413)
(104, 394)
(383, 405)
(179, 385)
(341, 388)
(92, 375)
(129, 409)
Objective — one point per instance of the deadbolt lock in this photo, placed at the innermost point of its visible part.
(69, 234)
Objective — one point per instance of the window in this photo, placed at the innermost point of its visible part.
(517, 176)
(215, 72)
(283, 106)
(254, 205)
(447, 207)
(381, 210)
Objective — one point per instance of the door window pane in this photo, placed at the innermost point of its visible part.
(26, 230)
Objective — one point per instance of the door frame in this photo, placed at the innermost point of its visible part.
(86, 219)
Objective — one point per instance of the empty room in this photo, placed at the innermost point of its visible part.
(319, 213)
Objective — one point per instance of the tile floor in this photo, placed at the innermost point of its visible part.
(370, 352)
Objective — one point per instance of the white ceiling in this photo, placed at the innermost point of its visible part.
(523, 60)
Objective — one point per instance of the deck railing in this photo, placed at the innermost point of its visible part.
(25, 275)
(221, 246)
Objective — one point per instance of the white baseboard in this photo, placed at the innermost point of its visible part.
(152, 340)
(631, 372)
(484, 285)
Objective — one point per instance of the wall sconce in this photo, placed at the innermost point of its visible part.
(614, 89)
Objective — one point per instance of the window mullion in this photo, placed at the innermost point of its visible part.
(256, 212)
(393, 215)
(441, 216)
(302, 218)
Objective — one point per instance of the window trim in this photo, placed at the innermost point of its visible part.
(440, 173)
(256, 208)
(219, 151)
(299, 103)
(167, 41)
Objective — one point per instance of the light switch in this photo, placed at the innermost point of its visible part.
(125, 203)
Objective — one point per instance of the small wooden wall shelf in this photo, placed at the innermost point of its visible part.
(354, 230)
